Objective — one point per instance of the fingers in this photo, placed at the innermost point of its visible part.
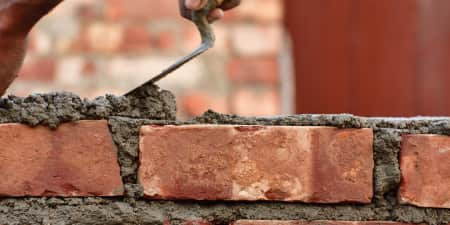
(195, 4)
(229, 4)
(215, 15)
(186, 7)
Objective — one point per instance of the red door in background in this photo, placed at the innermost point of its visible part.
(371, 57)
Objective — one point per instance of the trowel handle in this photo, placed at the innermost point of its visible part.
(200, 19)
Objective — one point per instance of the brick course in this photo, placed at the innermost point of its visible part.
(269, 168)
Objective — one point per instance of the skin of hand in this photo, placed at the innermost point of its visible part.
(186, 7)
(17, 18)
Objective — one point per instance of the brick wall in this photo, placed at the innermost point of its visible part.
(64, 160)
(110, 46)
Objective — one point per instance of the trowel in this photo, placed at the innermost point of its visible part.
(208, 38)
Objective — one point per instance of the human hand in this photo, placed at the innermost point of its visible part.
(187, 6)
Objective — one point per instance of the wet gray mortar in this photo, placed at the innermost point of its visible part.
(156, 107)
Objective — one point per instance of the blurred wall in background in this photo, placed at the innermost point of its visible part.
(366, 57)
(94, 47)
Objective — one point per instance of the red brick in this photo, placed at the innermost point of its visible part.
(191, 39)
(140, 10)
(38, 69)
(76, 159)
(98, 37)
(251, 101)
(88, 12)
(104, 37)
(164, 40)
(196, 103)
(89, 69)
(260, 11)
(189, 222)
(251, 70)
(78, 44)
(256, 40)
(136, 39)
(196, 222)
(208, 162)
(425, 168)
(318, 222)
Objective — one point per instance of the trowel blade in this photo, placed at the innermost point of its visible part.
(203, 48)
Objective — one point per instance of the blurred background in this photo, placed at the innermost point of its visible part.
(366, 57)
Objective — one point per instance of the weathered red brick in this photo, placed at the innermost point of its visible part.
(318, 222)
(76, 159)
(251, 40)
(164, 40)
(196, 103)
(191, 39)
(257, 69)
(243, 101)
(38, 69)
(87, 12)
(98, 37)
(425, 168)
(207, 162)
(140, 10)
(136, 39)
(89, 68)
(104, 37)
(190, 222)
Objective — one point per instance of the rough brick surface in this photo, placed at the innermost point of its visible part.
(251, 70)
(76, 159)
(38, 69)
(425, 166)
(189, 222)
(243, 101)
(308, 164)
(322, 222)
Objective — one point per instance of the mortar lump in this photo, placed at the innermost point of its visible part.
(54, 108)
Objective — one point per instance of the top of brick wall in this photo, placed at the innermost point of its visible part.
(54, 108)
(435, 125)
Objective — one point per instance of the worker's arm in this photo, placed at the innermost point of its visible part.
(17, 17)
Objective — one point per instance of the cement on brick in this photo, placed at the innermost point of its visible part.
(435, 125)
(125, 132)
(54, 108)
